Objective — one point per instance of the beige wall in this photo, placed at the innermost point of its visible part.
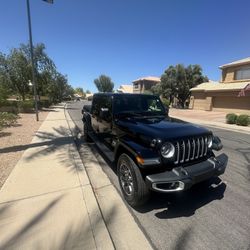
(227, 101)
(199, 100)
(143, 85)
(228, 74)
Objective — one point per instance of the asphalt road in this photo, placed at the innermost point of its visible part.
(215, 216)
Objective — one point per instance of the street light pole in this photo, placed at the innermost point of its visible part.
(32, 59)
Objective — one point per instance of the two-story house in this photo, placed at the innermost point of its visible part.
(231, 94)
(144, 84)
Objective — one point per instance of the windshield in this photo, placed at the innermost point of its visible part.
(138, 104)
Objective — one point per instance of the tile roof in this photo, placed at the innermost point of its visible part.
(217, 86)
(148, 78)
(234, 63)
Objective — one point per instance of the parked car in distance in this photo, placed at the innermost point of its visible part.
(152, 151)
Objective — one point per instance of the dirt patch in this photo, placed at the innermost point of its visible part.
(20, 134)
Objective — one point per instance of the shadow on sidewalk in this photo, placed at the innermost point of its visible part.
(59, 142)
(73, 236)
(4, 134)
(24, 230)
(50, 139)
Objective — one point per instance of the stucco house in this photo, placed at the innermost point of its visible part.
(125, 88)
(231, 94)
(145, 83)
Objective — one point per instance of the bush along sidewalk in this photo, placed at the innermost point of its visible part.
(27, 106)
(9, 106)
(231, 118)
(7, 119)
(242, 120)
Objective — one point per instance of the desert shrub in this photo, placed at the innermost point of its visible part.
(231, 118)
(243, 120)
(9, 106)
(7, 103)
(44, 104)
(7, 119)
(26, 106)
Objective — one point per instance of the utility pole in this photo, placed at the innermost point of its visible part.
(32, 60)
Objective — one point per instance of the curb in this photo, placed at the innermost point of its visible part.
(99, 229)
(122, 227)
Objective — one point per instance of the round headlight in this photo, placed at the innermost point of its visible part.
(210, 141)
(167, 150)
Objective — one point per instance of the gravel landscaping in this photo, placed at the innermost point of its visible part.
(19, 134)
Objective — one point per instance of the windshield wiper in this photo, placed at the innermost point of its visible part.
(140, 114)
(151, 114)
(128, 113)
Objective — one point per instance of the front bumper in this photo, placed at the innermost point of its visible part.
(181, 178)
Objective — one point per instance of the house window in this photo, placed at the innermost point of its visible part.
(136, 86)
(242, 74)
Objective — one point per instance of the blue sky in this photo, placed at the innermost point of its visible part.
(128, 39)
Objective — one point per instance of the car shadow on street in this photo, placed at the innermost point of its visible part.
(185, 204)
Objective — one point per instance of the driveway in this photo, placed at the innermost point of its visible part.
(214, 116)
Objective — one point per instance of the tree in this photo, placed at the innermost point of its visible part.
(157, 89)
(16, 71)
(4, 88)
(80, 92)
(88, 91)
(3, 91)
(177, 81)
(104, 84)
(60, 88)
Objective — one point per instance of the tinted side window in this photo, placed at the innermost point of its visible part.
(95, 105)
(99, 102)
(106, 102)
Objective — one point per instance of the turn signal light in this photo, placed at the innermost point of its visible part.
(139, 159)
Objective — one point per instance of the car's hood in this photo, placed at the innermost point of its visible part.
(161, 128)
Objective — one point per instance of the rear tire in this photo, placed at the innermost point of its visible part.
(133, 186)
(86, 136)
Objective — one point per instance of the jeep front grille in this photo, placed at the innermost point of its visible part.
(190, 149)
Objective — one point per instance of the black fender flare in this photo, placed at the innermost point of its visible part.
(134, 149)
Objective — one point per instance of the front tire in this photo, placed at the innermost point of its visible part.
(132, 184)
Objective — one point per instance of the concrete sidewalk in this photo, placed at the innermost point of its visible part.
(47, 202)
(207, 118)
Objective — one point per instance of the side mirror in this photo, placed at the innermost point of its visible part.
(217, 145)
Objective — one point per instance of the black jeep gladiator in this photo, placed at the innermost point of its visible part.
(152, 151)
